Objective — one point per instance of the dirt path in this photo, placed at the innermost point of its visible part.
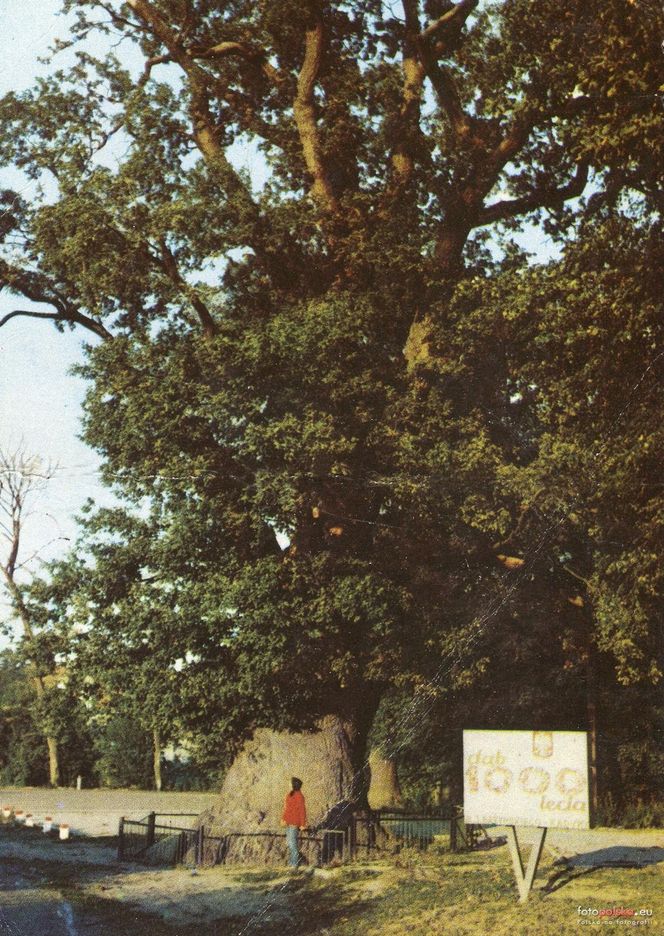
(49, 888)
(52, 888)
(29, 906)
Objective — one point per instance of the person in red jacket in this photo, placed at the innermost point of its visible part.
(294, 817)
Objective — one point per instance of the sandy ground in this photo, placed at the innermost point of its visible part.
(177, 895)
(98, 812)
(182, 895)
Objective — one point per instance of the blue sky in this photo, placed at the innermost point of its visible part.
(40, 401)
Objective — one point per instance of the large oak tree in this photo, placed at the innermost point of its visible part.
(273, 375)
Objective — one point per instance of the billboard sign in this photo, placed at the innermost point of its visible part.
(526, 778)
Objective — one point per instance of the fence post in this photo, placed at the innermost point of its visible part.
(200, 845)
(454, 828)
(121, 839)
(182, 848)
(152, 819)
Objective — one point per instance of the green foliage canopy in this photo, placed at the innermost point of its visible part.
(333, 358)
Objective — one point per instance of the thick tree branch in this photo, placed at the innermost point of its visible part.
(246, 51)
(170, 267)
(304, 110)
(37, 288)
(150, 64)
(447, 95)
(452, 19)
(512, 142)
(486, 167)
(120, 21)
(436, 40)
(409, 114)
(543, 197)
(151, 18)
(226, 48)
(207, 134)
(244, 108)
(54, 316)
(517, 136)
(72, 318)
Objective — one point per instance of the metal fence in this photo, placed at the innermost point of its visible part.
(157, 839)
(167, 839)
(375, 831)
(317, 848)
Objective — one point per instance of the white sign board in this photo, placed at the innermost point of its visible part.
(526, 778)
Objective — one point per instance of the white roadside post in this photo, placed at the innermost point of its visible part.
(537, 779)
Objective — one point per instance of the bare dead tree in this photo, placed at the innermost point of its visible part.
(22, 478)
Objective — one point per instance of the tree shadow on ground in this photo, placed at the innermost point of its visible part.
(617, 856)
(296, 909)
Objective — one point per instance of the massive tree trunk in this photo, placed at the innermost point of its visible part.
(384, 789)
(331, 762)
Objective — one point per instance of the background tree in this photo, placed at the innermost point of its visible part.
(113, 619)
(22, 478)
(114, 751)
(22, 760)
(277, 361)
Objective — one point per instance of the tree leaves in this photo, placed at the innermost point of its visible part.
(357, 435)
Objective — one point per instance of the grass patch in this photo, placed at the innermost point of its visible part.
(460, 894)
(259, 876)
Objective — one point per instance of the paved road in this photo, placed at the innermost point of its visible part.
(579, 841)
(96, 812)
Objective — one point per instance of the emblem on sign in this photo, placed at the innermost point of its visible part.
(543, 743)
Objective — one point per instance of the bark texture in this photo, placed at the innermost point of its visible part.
(384, 789)
(252, 796)
(156, 758)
